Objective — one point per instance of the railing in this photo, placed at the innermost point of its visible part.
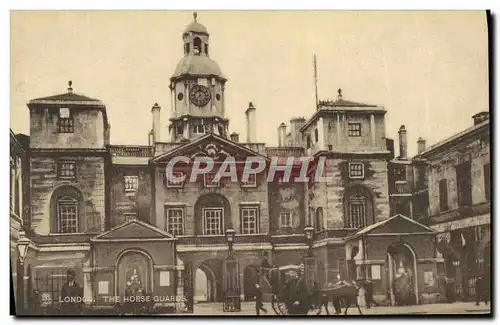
(285, 152)
(257, 147)
(131, 151)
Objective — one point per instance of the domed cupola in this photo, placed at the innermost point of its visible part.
(196, 60)
(197, 88)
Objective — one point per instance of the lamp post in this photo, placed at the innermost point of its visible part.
(230, 234)
(232, 299)
(22, 247)
(309, 261)
(309, 232)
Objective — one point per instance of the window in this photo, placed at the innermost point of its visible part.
(308, 140)
(212, 221)
(131, 184)
(354, 129)
(210, 180)
(179, 129)
(487, 181)
(443, 195)
(175, 223)
(357, 209)
(249, 221)
(400, 173)
(65, 122)
(286, 220)
(464, 184)
(129, 216)
(356, 170)
(175, 182)
(316, 136)
(252, 181)
(67, 170)
(67, 215)
(198, 129)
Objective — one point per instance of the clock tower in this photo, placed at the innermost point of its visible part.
(197, 89)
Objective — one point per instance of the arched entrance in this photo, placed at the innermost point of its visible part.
(402, 275)
(250, 278)
(133, 272)
(208, 281)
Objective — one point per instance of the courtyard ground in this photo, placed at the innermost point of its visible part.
(247, 308)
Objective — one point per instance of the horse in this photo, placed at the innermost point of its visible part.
(346, 293)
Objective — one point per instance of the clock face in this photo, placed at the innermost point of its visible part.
(199, 95)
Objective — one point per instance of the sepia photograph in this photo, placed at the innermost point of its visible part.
(258, 163)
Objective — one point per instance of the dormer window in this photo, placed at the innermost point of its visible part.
(65, 122)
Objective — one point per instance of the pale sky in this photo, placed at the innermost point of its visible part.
(429, 69)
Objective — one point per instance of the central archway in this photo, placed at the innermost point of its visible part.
(208, 281)
(212, 214)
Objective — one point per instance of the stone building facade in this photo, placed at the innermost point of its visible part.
(459, 194)
(111, 214)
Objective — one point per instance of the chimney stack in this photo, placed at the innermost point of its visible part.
(251, 127)
(403, 144)
(282, 135)
(480, 117)
(420, 145)
(295, 125)
(235, 137)
(155, 110)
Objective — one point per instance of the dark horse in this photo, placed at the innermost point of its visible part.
(346, 294)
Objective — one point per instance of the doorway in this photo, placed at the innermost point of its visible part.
(402, 275)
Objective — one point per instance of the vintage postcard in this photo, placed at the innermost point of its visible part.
(259, 163)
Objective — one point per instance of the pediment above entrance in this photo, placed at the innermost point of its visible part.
(395, 225)
(134, 230)
(211, 146)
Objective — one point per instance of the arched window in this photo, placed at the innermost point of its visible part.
(319, 219)
(66, 211)
(358, 208)
(197, 45)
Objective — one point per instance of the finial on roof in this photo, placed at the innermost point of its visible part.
(70, 89)
(339, 91)
(195, 15)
